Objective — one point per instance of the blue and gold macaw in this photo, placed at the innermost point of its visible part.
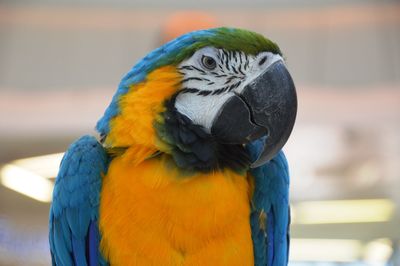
(188, 169)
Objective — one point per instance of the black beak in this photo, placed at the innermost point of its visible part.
(266, 106)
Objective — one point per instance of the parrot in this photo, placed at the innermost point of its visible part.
(187, 167)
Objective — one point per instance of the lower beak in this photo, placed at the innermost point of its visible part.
(266, 106)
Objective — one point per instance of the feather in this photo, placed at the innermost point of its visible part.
(62, 245)
(271, 244)
(78, 251)
(75, 204)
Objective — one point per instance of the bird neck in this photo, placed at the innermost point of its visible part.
(192, 148)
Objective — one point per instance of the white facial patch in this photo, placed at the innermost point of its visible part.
(205, 90)
(200, 109)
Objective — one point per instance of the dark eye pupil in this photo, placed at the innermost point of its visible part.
(262, 61)
(209, 62)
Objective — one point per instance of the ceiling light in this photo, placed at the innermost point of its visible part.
(45, 165)
(26, 182)
(378, 252)
(343, 211)
(323, 250)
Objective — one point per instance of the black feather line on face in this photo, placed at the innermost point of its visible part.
(235, 56)
(193, 78)
(228, 80)
(227, 65)
(189, 90)
(225, 57)
(214, 74)
(240, 70)
(219, 55)
(246, 65)
(234, 70)
(185, 68)
(219, 91)
(234, 86)
(204, 92)
(191, 67)
(199, 69)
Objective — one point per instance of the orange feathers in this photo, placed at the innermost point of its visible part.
(152, 215)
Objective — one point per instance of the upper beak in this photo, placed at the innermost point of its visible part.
(266, 106)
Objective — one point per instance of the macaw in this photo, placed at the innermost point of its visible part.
(188, 169)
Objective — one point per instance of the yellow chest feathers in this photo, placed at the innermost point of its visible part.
(152, 215)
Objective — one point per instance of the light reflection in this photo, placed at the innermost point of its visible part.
(338, 250)
(44, 165)
(26, 182)
(343, 211)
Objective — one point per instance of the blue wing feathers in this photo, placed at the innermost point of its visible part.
(79, 251)
(270, 238)
(271, 196)
(60, 244)
(75, 204)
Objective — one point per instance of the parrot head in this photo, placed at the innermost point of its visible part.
(201, 98)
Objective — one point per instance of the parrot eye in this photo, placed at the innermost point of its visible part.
(208, 62)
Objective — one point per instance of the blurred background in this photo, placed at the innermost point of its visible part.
(61, 61)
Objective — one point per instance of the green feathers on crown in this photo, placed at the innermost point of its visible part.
(229, 39)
